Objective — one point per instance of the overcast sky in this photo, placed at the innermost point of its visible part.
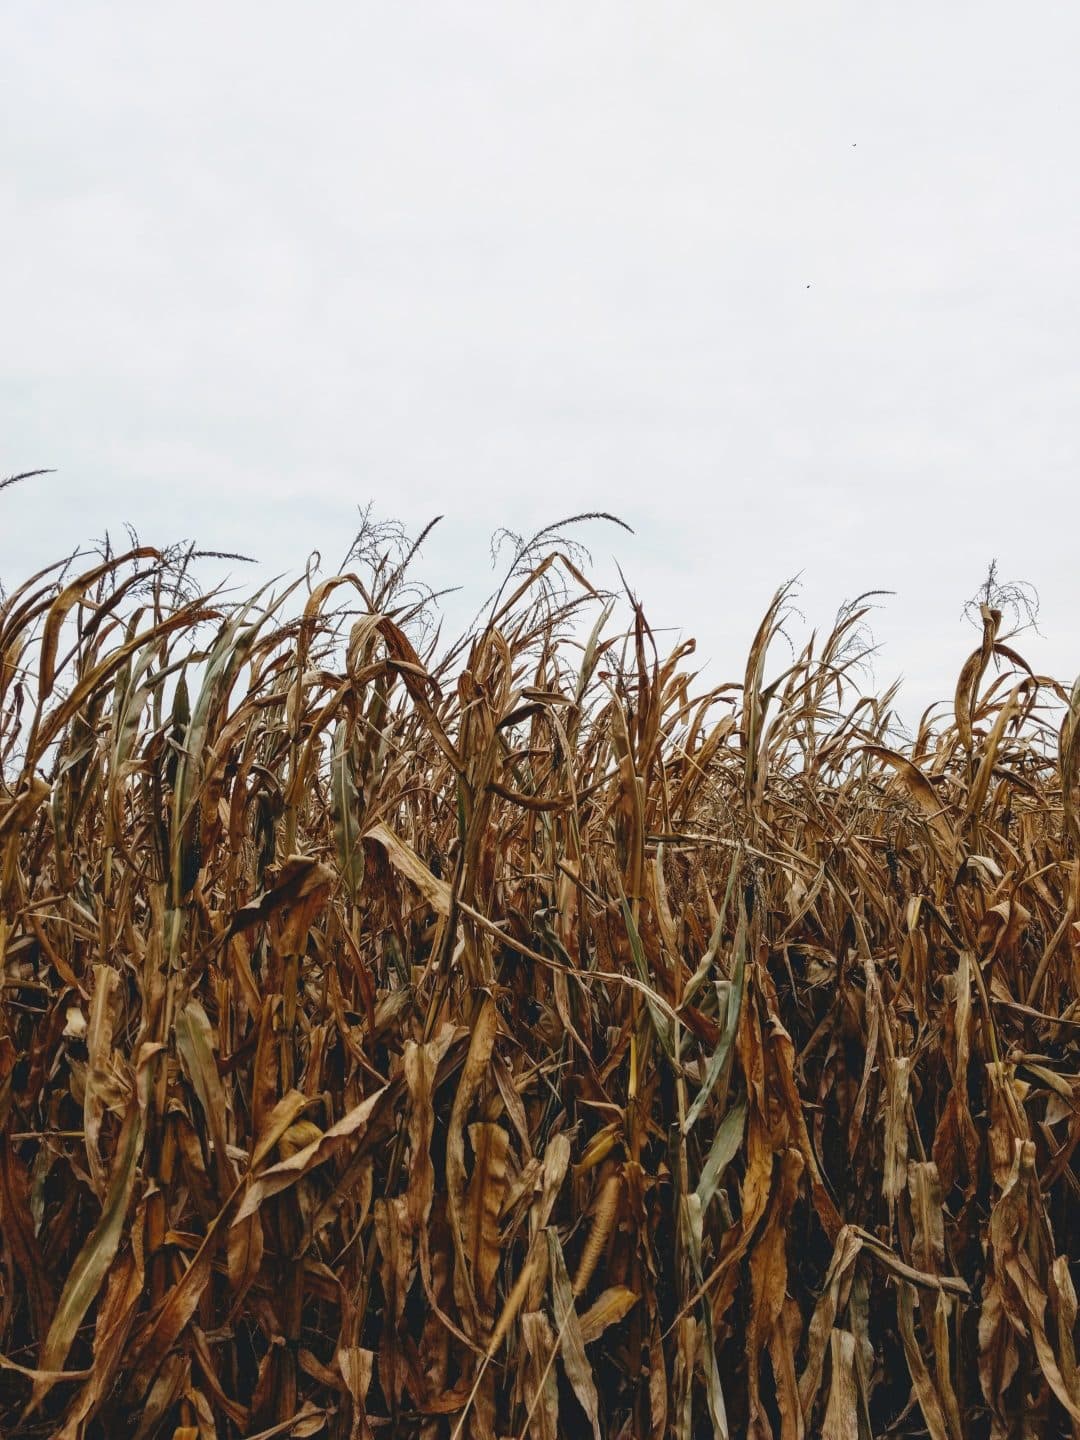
(789, 287)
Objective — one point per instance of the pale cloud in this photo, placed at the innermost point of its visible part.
(791, 288)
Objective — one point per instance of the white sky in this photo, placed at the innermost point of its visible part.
(262, 263)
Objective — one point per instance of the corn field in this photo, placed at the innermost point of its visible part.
(515, 1038)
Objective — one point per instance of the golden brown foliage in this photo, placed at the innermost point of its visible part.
(519, 1042)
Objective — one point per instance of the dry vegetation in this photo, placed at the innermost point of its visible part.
(512, 1040)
